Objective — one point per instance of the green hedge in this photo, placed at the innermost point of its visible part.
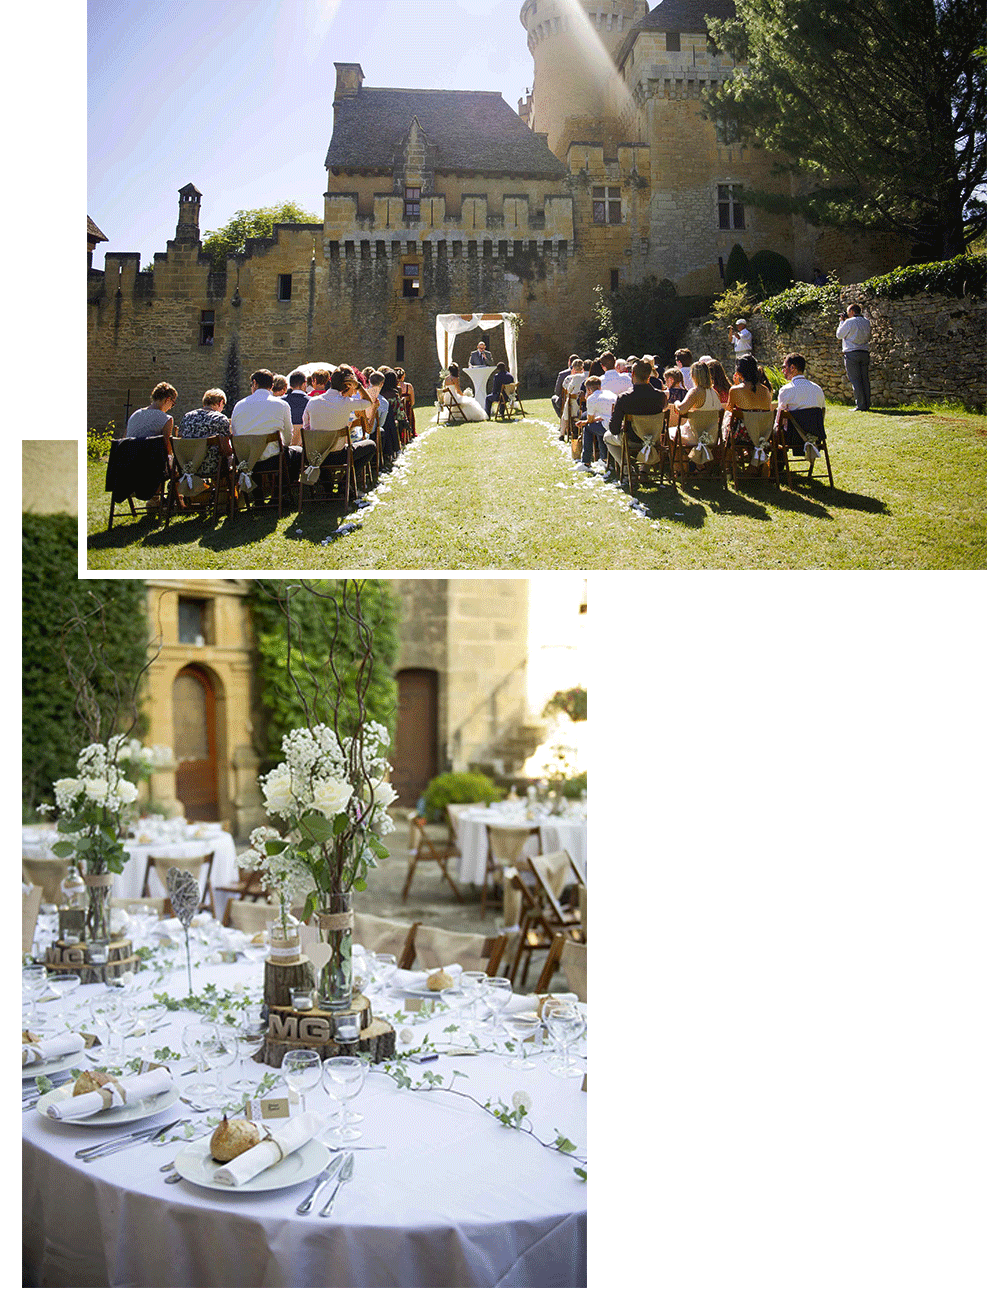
(964, 275)
(280, 706)
(788, 308)
(458, 788)
(51, 733)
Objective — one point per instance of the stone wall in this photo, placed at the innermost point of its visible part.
(923, 348)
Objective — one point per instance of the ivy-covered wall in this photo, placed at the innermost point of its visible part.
(52, 734)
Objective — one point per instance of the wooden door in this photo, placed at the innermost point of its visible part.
(416, 745)
(194, 718)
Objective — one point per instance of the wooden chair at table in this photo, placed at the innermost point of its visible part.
(249, 887)
(562, 874)
(49, 874)
(571, 956)
(707, 424)
(30, 904)
(385, 936)
(319, 475)
(250, 916)
(505, 847)
(198, 865)
(247, 451)
(159, 904)
(532, 932)
(809, 427)
(434, 947)
(422, 848)
(550, 876)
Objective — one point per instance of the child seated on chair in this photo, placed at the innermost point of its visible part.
(599, 407)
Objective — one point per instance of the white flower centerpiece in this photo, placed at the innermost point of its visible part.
(94, 807)
(332, 797)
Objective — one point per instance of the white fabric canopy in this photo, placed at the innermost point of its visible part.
(449, 326)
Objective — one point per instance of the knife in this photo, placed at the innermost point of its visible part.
(325, 1176)
(345, 1173)
(147, 1135)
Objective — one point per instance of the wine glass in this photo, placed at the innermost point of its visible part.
(343, 1077)
(522, 1026)
(254, 951)
(196, 1041)
(65, 985)
(34, 979)
(223, 1051)
(250, 1033)
(565, 1025)
(385, 967)
(496, 994)
(472, 984)
(301, 1069)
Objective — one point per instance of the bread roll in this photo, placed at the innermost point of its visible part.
(233, 1138)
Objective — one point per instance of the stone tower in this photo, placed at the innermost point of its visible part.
(573, 44)
(187, 231)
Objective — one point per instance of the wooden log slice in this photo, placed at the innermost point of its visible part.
(64, 958)
(279, 979)
(378, 1040)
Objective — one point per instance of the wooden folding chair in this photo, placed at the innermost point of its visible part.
(316, 474)
(422, 847)
(571, 956)
(385, 936)
(158, 866)
(186, 455)
(549, 875)
(807, 427)
(250, 916)
(434, 947)
(742, 454)
(49, 874)
(648, 429)
(248, 888)
(447, 398)
(532, 932)
(247, 452)
(504, 849)
(30, 904)
(509, 402)
(707, 425)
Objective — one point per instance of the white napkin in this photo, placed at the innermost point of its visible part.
(53, 1048)
(519, 1004)
(405, 977)
(286, 1138)
(127, 1091)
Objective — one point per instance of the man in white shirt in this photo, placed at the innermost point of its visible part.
(336, 410)
(854, 332)
(615, 379)
(743, 342)
(263, 414)
(799, 393)
(599, 407)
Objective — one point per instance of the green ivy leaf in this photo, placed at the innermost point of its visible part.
(62, 849)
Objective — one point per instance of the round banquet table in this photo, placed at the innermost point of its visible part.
(199, 839)
(557, 833)
(454, 1200)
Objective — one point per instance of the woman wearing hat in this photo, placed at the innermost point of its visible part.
(741, 339)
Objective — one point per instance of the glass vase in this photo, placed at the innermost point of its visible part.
(285, 940)
(336, 974)
(98, 890)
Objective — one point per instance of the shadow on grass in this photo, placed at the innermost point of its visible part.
(666, 501)
(835, 498)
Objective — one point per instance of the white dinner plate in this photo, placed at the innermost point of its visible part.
(124, 1113)
(195, 1164)
(422, 992)
(49, 1066)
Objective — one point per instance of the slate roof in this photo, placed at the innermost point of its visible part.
(93, 232)
(677, 16)
(468, 130)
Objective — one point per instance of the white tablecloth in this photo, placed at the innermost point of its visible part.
(557, 833)
(35, 843)
(479, 377)
(454, 1200)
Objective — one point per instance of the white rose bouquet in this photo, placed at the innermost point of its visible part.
(94, 806)
(333, 796)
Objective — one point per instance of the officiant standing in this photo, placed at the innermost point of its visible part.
(481, 357)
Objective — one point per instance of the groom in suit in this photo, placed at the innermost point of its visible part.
(481, 356)
(496, 383)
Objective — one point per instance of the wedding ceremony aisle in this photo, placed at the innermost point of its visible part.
(509, 495)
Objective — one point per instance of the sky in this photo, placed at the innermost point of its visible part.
(236, 96)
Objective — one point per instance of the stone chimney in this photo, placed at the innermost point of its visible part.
(187, 231)
(349, 79)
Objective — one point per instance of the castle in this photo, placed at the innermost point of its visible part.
(450, 202)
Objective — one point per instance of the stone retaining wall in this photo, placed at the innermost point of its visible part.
(923, 348)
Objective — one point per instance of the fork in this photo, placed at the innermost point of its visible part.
(345, 1173)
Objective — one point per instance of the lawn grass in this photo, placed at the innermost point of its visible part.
(909, 494)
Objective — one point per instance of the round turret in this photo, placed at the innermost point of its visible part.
(573, 44)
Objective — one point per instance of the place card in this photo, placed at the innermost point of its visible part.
(413, 1004)
(273, 1106)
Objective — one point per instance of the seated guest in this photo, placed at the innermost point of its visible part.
(699, 398)
(279, 386)
(599, 408)
(263, 414)
(497, 381)
(319, 381)
(336, 411)
(673, 385)
(797, 393)
(642, 398)
(748, 391)
(683, 361)
(721, 383)
(390, 441)
(296, 399)
(615, 379)
(209, 422)
(571, 387)
(154, 420)
(558, 395)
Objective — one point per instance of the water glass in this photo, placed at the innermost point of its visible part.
(385, 967)
(522, 1026)
(34, 979)
(343, 1077)
(301, 1069)
(223, 1051)
(473, 984)
(565, 1025)
(196, 1042)
(496, 995)
(250, 1033)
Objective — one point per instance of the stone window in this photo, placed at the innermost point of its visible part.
(412, 283)
(673, 42)
(207, 326)
(193, 621)
(284, 286)
(606, 204)
(399, 350)
(614, 279)
(730, 205)
(412, 202)
(727, 131)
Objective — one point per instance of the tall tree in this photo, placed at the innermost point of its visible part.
(230, 240)
(879, 109)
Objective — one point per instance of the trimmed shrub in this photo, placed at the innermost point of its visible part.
(737, 267)
(458, 788)
(770, 272)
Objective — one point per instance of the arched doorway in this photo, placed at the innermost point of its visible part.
(416, 744)
(194, 717)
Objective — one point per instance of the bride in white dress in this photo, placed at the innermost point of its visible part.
(465, 404)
